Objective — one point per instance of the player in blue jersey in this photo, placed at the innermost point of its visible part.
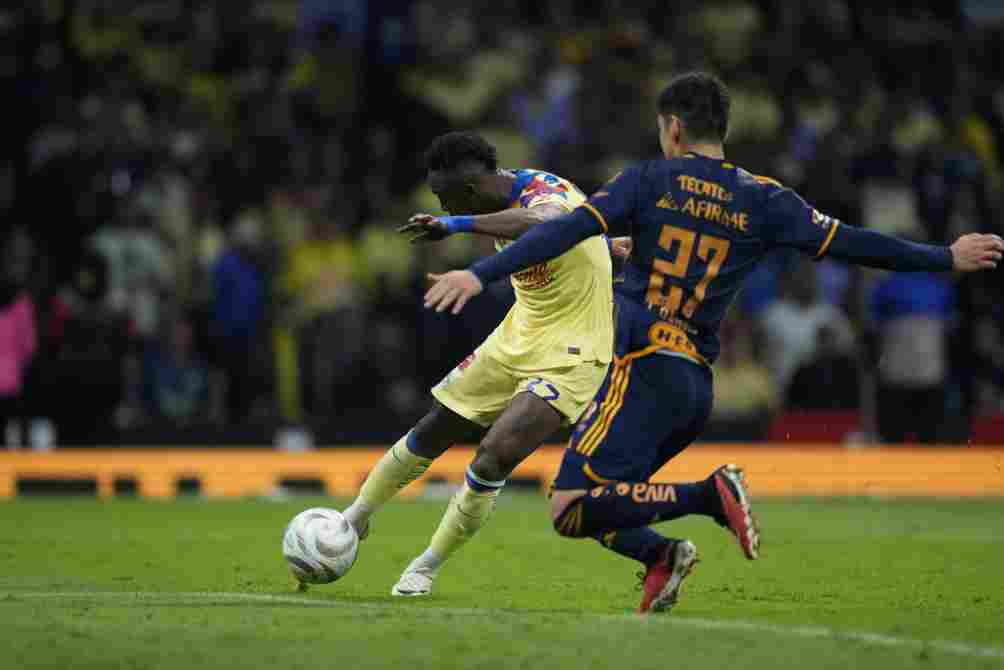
(699, 225)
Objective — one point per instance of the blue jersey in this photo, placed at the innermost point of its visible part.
(699, 226)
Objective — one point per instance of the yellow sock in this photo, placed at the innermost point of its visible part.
(467, 512)
(396, 469)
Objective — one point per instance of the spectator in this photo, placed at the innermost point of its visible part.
(327, 313)
(745, 396)
(86, 357)
(827, 381)
(238, 322)
(192, 117)
(139, 269)
(790, 325)
(177, 380)
(17, 336)
(912, 313)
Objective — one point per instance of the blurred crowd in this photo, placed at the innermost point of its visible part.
(199, 201)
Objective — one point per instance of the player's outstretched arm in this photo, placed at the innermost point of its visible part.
(541, 243)
(791, 222)
(969, 253)
(508, 224)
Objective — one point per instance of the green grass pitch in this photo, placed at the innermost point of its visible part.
(190, 584)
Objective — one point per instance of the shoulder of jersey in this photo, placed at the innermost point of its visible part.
(747, 178)
(533, 173)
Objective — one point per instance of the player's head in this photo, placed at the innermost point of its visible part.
(693, 109)
(461, 170)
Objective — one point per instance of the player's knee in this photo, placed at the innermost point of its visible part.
(564, 523)
(495, 458)
(430, 437)
(491, 465)
(563, 504)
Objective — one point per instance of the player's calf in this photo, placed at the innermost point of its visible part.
(406, 461)
(624, 505)
(466, 513)
(524, 425)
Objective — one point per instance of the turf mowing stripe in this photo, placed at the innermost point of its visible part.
(878, 639)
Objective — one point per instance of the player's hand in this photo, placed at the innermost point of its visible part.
(453, 288)
(975, 251)
(424, 228)
(621, 247)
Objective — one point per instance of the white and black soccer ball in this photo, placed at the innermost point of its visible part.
(320, 545)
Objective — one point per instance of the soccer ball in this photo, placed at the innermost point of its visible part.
(320, 545)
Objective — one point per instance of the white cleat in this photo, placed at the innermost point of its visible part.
(413, 583)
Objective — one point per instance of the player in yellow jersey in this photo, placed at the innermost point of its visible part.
(536, 372)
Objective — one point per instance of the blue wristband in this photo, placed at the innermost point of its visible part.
(458, 224)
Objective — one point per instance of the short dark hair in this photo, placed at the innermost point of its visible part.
(701, 101)
(452, 150)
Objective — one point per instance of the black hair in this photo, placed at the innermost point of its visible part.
(452, 150)
(701, 101)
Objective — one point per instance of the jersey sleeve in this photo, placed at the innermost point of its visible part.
(541, 191)
(541, 243)
(789, 221)
(615, 204)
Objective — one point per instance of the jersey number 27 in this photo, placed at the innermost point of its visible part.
(710, 249)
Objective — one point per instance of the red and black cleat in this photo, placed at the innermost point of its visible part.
(663, 579)
(735, 511)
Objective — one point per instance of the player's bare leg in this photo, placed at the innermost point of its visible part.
(408, 460)
(525, 424)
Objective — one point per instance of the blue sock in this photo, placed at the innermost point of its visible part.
(642, 544)
(622, 505)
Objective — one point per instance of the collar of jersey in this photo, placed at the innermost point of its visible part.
(694, 154)
(523, 177)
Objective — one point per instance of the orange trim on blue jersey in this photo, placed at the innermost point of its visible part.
(827, 241)
(577, 521)
(681, 346)
(608, 420)
(599, 217)
(615, 380)
(766, 180)
(595, 477)
(572, 522)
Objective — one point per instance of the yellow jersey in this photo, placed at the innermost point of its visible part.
(563, 314)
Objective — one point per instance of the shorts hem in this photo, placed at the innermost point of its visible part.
(451, 404)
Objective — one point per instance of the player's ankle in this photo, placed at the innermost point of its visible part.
(713, 502)
(426, 562)
(358, 514)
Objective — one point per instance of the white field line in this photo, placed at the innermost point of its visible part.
(153, 598)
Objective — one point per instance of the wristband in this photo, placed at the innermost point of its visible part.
(458, 224)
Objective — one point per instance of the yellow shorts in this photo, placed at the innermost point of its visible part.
(480, 388)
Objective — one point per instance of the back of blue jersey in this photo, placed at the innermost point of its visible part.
(699, 227)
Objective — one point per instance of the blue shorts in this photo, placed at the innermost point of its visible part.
(647, 411)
